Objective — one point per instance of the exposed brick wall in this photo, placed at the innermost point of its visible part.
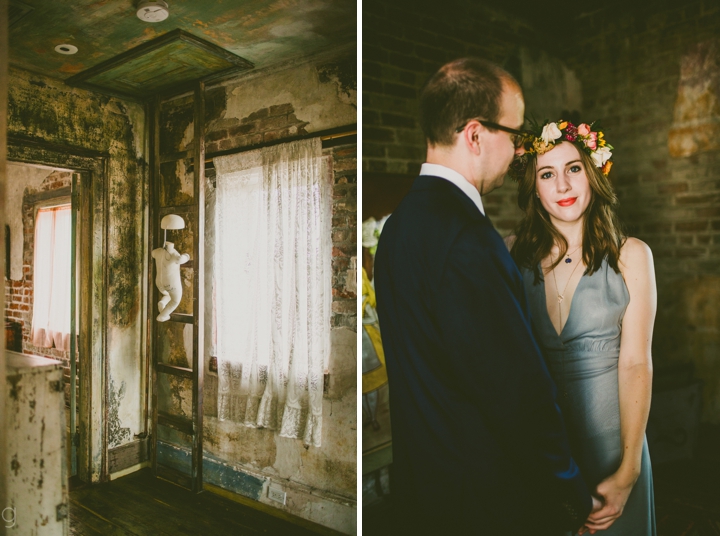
(628, 61)
(631, 72)
(264, 125)
(19, 294)
(344, 236)
(404, 43)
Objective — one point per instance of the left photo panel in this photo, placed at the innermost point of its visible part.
(178, 195)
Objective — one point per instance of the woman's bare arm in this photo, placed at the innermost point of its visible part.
(634, 378)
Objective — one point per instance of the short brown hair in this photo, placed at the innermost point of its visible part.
(461, 90)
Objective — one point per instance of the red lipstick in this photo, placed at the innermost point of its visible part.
(567, 202)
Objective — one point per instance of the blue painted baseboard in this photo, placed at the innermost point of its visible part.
(214, 471)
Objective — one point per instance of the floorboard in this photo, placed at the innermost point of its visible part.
(141, 505)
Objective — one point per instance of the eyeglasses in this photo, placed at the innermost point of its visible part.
(518, 136)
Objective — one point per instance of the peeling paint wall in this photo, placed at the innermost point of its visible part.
(24, 181)
(20, 178)
(48, 111)
(37, 477)
(320, 482)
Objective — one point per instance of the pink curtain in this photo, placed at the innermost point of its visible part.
(51, 275)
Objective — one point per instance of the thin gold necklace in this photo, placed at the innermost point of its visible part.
(561, 296)
(568, 260)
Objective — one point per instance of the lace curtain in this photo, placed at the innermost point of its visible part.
(51, 278)
(273, 287)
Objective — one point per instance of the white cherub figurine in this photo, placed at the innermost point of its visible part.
(168, 281)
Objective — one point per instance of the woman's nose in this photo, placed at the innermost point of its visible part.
(563, 184)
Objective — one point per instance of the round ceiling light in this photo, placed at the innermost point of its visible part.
(152, 10)
(66, 49)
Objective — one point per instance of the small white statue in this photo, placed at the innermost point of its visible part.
(168, 280)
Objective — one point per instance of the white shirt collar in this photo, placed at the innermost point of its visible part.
(436, 170)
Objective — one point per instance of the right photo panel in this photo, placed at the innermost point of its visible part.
(540, 268)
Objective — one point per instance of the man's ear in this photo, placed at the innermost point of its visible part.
(473, 135)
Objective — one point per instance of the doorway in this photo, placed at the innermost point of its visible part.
(47, 177)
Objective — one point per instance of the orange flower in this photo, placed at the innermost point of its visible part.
(541, 147)
(606, 168)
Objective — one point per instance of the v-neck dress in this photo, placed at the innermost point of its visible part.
(583, 361)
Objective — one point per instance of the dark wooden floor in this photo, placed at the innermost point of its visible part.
(142, 505)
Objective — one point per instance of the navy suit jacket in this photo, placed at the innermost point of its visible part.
(479, 443)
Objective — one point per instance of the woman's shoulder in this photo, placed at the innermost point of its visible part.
(509, 241)
(635, 256)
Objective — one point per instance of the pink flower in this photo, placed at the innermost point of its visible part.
(583, 129)
(591, 141)
(571, 132)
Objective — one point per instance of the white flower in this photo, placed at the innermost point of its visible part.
(369, 240)
(550, 133)
(602, 155)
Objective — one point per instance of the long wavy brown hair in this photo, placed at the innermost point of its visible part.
(535, 235)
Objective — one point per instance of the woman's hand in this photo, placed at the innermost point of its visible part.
(614, 492)
(596, 506)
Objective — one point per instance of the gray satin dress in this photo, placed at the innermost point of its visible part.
(583, 361)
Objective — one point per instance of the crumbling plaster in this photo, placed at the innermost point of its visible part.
(320, 482)
(20, 177)
(317, 93)
(47, 110)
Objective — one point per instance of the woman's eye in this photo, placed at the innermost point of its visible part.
(546, 175)
(575, 169)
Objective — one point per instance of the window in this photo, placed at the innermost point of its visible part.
(51, 278)
(273, 287)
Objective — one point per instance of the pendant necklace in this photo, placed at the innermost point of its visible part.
(561, 296)
(568, 260)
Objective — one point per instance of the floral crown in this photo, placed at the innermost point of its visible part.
(539, 139)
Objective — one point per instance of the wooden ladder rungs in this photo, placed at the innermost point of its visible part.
(181, 424)
(183, 318)
(175, 370)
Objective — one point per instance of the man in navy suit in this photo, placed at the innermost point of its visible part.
(479, 445)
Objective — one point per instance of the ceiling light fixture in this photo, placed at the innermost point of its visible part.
(153, 10)
(66, 49)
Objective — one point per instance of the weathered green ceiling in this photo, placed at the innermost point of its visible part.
(264, 32)
(170, 63)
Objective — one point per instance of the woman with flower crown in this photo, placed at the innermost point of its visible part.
(592, 298)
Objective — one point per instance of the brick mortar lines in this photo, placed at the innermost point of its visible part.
(344, 234)
(687, 191)
(399, 56)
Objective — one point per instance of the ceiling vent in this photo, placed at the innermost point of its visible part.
(153, 10)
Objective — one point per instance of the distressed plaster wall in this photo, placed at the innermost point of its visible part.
(23, 181)
(320, 482)
(47, 110)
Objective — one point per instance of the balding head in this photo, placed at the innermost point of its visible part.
(461, 90)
